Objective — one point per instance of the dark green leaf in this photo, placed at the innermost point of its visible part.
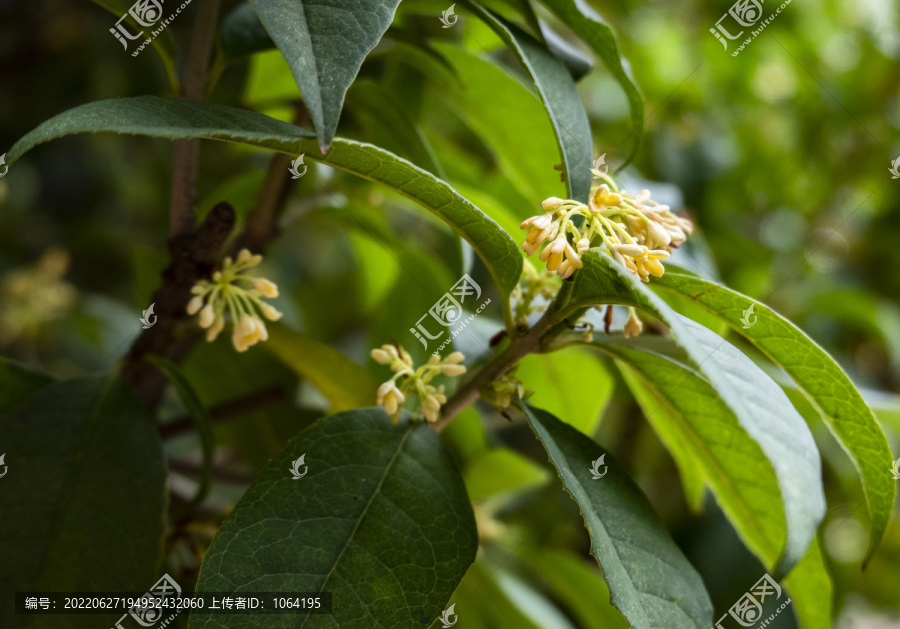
(198, 414)
(178, 119)
(587, 24)
(18, 383)
(759, 404)
(164, 43)
(560, 98)
(816, 373)
(381, 520)
(325, 42)
(577, 62)
(242, 34)
(650, 580)
(83, 501)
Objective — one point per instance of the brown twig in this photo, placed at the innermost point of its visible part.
(182, 216)
(262, 223)
(193, 257)
(519, 347)
(226, 411)
(189, 468)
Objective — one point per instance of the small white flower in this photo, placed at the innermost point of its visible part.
(265, 287)
(207, 316)
(390, 397)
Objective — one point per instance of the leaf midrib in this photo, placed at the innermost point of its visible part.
(362, 516)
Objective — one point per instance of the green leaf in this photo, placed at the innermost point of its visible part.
(483, 604)
(164, 43)
(571, 384)
(344, 384)
(381, 520)
(386, 119)
(84, 500)
(509, 118)
(811, 590)
(577, 62)
(703, 434)
(18, 383)
(198, 414)
(826, 385)
(561, 100)
(499, 471)
(242, 34)
(587, 24)
(577, 584)
(177, 119)
(325, 42)
(759, 404)
(650, 580)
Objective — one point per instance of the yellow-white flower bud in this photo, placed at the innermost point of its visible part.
(630, 250)
(194, 305)
(551, 204)
(453, 370)
(207, 316)
(270, 312)
(265, 287)
(455, 358)
(633, 326)
(381, 357)
(213, 332)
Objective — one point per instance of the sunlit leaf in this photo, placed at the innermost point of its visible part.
(816, 373)
(759, 404)
(560, 98)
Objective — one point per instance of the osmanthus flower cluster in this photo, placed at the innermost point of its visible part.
(414, 381)
(636, 232)
(241, 295)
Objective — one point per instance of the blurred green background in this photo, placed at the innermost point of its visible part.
(780, 155)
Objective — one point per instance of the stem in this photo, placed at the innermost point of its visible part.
(226, 411)
(262, 224)
(182, 216)
(519, 347)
